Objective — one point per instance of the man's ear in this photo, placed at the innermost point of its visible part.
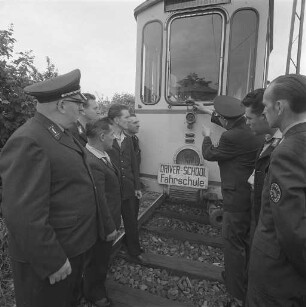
(224, 122)
(116, 120)
(81, 111)
(61, 106)
(281, 105)
(102, 135)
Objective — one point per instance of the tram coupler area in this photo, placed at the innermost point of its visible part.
(214, 209)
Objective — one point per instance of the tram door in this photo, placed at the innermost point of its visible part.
(193, 51)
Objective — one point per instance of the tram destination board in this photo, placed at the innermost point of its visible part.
(172, 5)
(183, 175)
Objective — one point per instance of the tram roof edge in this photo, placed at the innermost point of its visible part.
(143, 6)
(148, 3)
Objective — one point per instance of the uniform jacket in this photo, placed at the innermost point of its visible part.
(125, 160)
(261, 169)
(235, 154)
(281, 232)
(79, 133)
(108, 186)
(137, 150)
(49, 199)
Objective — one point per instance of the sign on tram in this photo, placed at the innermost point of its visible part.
(191, 176)
(171, 5)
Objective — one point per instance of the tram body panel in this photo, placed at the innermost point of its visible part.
(162, 135)
(161, 91)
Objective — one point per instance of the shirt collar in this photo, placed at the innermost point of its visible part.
(276, 135)
(98, 153)
(119, 137)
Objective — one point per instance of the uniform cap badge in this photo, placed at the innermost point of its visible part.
(275, 192)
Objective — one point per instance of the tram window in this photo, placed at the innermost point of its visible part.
(242, 54)
(194, 53)
(151, 62)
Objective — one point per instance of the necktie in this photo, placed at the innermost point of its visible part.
(108, 162)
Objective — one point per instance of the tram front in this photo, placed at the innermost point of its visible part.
(193, 51)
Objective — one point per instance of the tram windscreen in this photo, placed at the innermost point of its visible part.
(242, 53)
(194, 58)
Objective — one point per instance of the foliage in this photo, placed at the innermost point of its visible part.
(6, 281)
(193, 80)
(17, 70)
(103, 103)
(124, 98)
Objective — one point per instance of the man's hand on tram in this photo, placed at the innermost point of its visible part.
(138, 194)
(203, 108)
(205, 131)
(61, 274)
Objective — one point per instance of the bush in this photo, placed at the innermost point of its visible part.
(16, 71)
(6, 281)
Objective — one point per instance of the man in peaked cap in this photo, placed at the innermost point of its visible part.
(49, 198)
(235, 154)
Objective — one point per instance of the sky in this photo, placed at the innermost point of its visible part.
(99, 38)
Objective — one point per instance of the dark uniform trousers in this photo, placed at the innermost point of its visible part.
(235, 154)
(277, 270)
(107, 180)
(125, 160)
(129, 212)
(96, 271)
(50, 207)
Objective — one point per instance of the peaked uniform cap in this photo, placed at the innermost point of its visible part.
(56, 88)
(228, 107)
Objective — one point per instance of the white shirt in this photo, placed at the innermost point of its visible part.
(120, 138)
(276, 135)
(98, 153)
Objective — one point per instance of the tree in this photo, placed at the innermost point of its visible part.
(124, 98)
(17, 70)
(193, 80)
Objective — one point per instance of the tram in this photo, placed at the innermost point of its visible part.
(193, 50)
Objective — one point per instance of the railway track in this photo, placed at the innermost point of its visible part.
(184, 260)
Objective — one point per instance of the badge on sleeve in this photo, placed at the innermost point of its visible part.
(275, 192)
